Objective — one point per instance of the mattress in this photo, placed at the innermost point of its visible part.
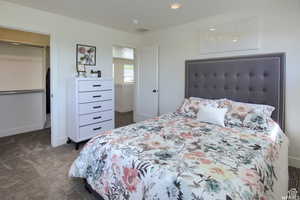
(176, 157)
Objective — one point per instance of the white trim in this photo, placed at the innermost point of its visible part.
(294, 161)
(23, 129)
(59, 141)
(157, 77)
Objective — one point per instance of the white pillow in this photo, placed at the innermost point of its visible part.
(213, 115)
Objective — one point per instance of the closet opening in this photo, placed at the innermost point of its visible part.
(25, 84)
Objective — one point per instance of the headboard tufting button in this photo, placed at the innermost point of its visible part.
(196, 74)
(250, 89)
(251, 74)
(195, 86)
(237, 88)
(264, 89)
(265, 74)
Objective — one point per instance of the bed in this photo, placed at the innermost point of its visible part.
(179, 157)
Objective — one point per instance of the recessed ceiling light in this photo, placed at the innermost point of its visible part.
(212, 29)
(135, 21)
(234, 40)
(175, 6)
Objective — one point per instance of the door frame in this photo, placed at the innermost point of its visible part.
(135, 62)
(54, 76)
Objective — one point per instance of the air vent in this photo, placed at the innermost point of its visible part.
(142, 30)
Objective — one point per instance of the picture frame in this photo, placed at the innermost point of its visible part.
(85, 56)
(81, 68)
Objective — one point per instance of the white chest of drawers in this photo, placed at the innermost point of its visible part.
(90, 108)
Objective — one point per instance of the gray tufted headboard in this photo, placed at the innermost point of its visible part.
(254, 79)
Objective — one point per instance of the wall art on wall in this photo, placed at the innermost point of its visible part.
(85, 55)
(238, 35)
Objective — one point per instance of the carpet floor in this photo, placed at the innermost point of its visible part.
(123, 119)
(30, 169)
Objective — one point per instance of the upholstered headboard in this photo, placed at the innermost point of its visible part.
(253, 79)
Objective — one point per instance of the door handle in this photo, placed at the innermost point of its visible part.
(154, 91)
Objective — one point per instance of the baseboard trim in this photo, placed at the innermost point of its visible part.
(294, 161)
(19, 130)
(59, 142)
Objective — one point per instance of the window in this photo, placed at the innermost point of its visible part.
(128, 73)
(123, 52)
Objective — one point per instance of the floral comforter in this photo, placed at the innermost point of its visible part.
(176, 157)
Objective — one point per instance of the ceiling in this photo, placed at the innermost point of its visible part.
(151, 14)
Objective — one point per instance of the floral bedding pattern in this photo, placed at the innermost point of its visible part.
(190, 107)
(254, 116)
(173, 157)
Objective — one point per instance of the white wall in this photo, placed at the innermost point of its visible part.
(65, 34)
(279, 32)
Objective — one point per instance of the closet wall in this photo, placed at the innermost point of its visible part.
(22, 68)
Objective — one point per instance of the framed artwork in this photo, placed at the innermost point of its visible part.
(85, 55)
(81, 68)
(232, 36)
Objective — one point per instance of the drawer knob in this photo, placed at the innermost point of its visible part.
(97, 117)
(97, 96)
(96, 107)
(95, 129)
(96, 85)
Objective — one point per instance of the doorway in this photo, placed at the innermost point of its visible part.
(24, 62)
(124, 81)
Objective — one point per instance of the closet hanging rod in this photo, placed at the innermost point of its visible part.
(11, 92)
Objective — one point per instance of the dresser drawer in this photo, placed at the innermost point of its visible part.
(90, 131)
(84, 86)
(95, 117)
(85, 97)
(95, 107)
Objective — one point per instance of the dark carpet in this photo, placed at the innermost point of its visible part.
(123, 119)
(294, 178)
(31, 169)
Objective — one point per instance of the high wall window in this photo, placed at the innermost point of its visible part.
(123, 52)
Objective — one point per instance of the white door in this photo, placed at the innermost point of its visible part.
(147, 84)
